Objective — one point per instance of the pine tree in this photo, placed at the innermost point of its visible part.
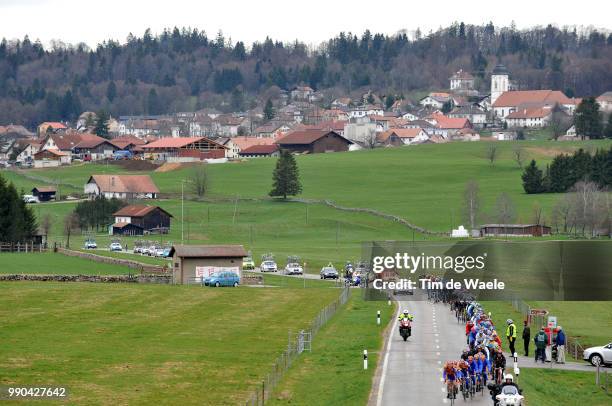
(17, 221)
(608, 131)
(587, 119)
(286, 176)
(532, 179)
(111, 91)
(269, 110)
(101, 127)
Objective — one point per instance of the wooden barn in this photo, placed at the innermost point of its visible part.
(314, 141)
(138, 219)
(514, 230)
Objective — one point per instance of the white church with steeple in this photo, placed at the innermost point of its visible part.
(500, 82)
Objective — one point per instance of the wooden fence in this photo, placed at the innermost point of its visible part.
(22, 247)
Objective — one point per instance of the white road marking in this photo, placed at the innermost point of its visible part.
(386, 360)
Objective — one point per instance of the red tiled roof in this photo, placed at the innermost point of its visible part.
(305, 137)
(91, 141)
(244, 142)
(209, 251)
(54, 124)
(260, 149)
(516, 97)
(137, 210)
(403, 132)
(178, 142)
(537, 112)
(125, 183)
(449, 122)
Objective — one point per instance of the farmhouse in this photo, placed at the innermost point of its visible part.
(314, 141)
(605, 101)
(461, 81)
(95, 148)
(184, 149)
(405, 135)
(49, 158)
(44, 193)
(50, 126)
(137, 219)
(511, 101)
(529, 117)
(476, 115)
(121, 187)
(192, 263)
(514, 230)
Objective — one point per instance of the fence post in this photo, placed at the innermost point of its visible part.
(365, 359)
(263, 392)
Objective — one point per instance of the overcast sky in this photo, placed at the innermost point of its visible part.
(311, 21)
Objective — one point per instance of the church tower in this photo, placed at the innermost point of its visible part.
(499, 82)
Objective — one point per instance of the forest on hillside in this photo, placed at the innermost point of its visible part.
(185, 70)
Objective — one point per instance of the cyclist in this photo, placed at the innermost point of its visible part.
(449, 375)
(464, 368)
(472, 368)
(499, 364)
(485, 367)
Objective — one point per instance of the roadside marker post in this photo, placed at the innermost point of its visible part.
(365, 359)
(378, 317)
(517, 371)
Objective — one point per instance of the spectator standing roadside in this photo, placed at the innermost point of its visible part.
(541, 340)
(511, 335)
(560, 341)
(526, 337)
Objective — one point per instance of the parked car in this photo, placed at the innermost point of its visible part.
(115, 246)
(329, 272)
(166, 252)
(268, 266)
(137, 249)
(218, 279)
(294, 268)
(30, 199)
(599, 355)
(159, 252)
(90, 245)
(152, 251)
(248, 264)
(144, 250)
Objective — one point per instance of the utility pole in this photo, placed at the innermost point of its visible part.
(182, 211)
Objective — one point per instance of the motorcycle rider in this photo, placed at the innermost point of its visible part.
(405, 314)
(497, 389)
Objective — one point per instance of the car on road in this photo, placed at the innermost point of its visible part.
(293, 268)
(30, 199)
(90, 245)
(219, 279)
(159, 252)
(268, 266)
(329, 272)
(115, 246)
(599, 355)
(248, 264)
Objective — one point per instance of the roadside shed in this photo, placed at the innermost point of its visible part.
(44, 193)
(191, 263)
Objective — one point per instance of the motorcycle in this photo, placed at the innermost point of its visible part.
(509, 396)
(405, 328)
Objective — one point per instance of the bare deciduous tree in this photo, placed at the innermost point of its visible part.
(590, 207)
(519, 156)
(369, 141)
(71, 223)
(45, 224)
(505, 212)
(471, 203)
(491, 153)
(199, 181)
(537, 214)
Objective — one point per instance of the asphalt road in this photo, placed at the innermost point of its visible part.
(412, 371)
(281, 273)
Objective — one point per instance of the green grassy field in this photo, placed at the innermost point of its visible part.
(50, 263)
(544, 387)
(424, 184)
(335, 367)
(316, 233)
(148, 344)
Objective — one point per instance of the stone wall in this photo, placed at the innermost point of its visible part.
(164, 279)
(138, 266)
